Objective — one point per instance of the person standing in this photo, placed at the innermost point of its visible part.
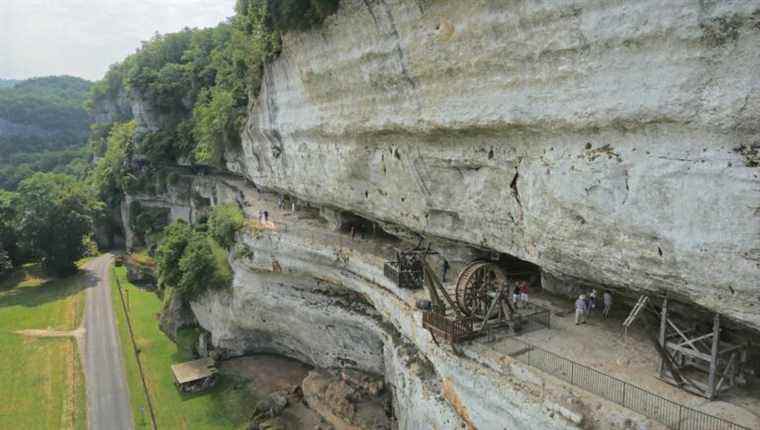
(580, 310)
(445, 268)
(516, 296)
(607, 297)
(524, 293)
(592, 300)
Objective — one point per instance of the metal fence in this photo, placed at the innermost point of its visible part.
(537, 320)
(674, 415)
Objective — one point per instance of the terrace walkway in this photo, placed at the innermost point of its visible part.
(600, 345)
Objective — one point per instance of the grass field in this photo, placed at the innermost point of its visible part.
(226, 406)
(42, 381)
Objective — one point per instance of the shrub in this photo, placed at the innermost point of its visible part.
(170, 251)
(203, 267)
(224, 222)
(191, 262)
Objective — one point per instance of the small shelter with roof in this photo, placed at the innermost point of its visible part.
(194, 376)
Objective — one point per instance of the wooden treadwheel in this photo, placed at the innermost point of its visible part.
(477, 286)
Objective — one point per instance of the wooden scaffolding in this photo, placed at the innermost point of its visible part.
(477, 304)
(700, 363)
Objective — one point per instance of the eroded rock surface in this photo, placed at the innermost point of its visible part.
(600, 141)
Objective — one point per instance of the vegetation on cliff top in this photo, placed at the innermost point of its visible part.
(196, 85)
(199, 81)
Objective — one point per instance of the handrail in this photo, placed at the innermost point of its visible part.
(672, 414)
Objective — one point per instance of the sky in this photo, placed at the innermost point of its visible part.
(83, 37)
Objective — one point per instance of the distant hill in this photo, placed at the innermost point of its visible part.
(7, 83)
(43, 127)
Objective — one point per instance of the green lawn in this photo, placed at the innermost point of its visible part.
(28, 300)
(224, 407)
(42, 382)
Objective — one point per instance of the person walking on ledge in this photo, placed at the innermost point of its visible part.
(580, 310)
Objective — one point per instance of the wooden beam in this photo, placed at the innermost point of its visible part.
(683, 336)
(730, 348)
(430, 275)
(714, 358)
(705, 336)
(726, 373)
(688, 351)
(496, 301)
(663, 330)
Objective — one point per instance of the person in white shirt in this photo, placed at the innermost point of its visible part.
(580, 310)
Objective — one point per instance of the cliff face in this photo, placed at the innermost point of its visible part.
(608, 143)
(300, 290)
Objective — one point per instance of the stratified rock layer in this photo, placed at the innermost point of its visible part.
(604, 141)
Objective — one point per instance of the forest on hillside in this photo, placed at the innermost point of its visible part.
(43, 127)
(199, 81)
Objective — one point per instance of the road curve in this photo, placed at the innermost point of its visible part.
(107, 392)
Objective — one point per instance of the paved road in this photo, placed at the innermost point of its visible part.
(107, 395)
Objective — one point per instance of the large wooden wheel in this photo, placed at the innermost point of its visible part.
(477, 286)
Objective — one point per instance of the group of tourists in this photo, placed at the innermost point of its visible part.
(587, 303)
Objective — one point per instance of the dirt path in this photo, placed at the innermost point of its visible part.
(52, 333)
(77, 334)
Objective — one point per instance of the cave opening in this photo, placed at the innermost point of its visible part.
(516, 269)
(359, 227)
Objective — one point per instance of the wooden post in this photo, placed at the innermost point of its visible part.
(714, 358)
(663, 328)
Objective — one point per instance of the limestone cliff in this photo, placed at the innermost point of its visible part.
(608, 143)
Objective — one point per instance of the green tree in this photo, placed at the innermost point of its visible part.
(110, 174)
(203, 266)
(170, 251)
(56, 215)
(8, 226)
(5, 262)
(224, 222)
(217, 126)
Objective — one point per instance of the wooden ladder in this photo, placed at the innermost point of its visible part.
(640, 304)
